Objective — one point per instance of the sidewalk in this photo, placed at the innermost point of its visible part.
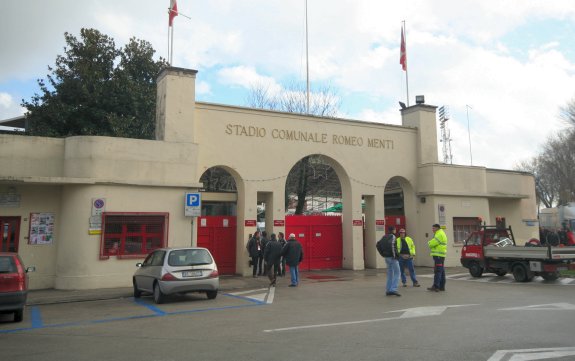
(227, 284)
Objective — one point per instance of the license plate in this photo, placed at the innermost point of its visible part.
(191, 273)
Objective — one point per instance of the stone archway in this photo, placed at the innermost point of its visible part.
(217, 226)
(315, 213)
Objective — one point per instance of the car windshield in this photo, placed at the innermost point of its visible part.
(7, 264)
(189, 257)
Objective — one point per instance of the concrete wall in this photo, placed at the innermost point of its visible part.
(259, 148)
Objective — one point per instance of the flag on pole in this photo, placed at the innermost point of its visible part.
(402, 53)
(173, 11)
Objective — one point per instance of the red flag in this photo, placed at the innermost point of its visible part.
(403, 54)
(173, 11)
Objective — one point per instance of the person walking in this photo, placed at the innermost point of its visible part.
(406, 253)
(255, 251)
(272, 254)
(282, 241)
(263, 244)
(293, 254)
(438, 247)
(387, 248)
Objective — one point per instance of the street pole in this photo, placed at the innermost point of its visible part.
(467, 107)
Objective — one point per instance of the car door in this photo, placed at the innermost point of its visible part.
(145, 276)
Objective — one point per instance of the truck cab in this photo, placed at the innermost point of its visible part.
(472, 254)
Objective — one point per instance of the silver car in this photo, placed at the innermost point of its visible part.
(169, 271)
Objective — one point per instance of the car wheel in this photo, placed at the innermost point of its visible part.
(137, 292)
(550, 276)
(500, 272)
(158, 295)
(521, 273)
(475, 269)
(19, 315)
(212, 294)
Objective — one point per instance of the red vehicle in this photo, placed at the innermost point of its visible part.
(13, 284)
(493, 249)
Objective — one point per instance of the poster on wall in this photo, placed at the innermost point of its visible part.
(41, 228)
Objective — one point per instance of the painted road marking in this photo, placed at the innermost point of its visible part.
(37, 322)
(406, 313)
(266, 297)
(493, 278)
(545, 307)
(532, 354)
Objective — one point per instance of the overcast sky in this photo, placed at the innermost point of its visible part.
(511, 61)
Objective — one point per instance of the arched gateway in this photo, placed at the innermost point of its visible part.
(136, 189)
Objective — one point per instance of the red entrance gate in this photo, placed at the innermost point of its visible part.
(218, 234)
(321, 238)
(9, 234)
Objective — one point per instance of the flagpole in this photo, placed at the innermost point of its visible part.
(406, 70)
(172, 47)
(306, 60)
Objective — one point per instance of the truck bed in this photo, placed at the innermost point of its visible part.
(534, 253)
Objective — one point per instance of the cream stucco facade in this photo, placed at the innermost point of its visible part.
(258, 148)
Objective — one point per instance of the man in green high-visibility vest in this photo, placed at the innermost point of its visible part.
(438, 247)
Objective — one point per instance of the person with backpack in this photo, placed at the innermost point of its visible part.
(387, 248)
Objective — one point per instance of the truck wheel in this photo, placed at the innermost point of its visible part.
(475, 269)
(550, 276)
(500, 272)
(521, 273)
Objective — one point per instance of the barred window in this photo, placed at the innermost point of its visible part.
(133, 235)
(464, 226)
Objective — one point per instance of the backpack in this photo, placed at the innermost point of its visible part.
(385, 246)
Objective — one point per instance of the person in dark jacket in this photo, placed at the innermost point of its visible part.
(282, 241)
(254, 248)
(293, 254)
(263, 243)
(272, 254)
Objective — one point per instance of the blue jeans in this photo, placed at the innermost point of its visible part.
(294, 274)
(409, 263)
(439, 270)
(392, 274)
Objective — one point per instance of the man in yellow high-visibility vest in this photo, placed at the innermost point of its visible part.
(438, 247)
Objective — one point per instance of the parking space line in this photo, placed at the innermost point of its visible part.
(36, 317)
(37, 322)
(151, 307)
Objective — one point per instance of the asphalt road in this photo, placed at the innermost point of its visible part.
(329, 317)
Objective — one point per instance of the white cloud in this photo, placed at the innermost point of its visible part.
(247, 77)
(203, 88)
(458, 53)
(9, 108)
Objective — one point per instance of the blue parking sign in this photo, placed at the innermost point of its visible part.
(192, 199)
(193, 206)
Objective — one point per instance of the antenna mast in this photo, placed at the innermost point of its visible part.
(445, 134)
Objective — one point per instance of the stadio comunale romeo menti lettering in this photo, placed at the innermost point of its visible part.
(303, 136)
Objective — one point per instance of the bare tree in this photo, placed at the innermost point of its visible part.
(558, 160)
(324, 102)
(306, 177)
(554, 168)
(546, 190)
